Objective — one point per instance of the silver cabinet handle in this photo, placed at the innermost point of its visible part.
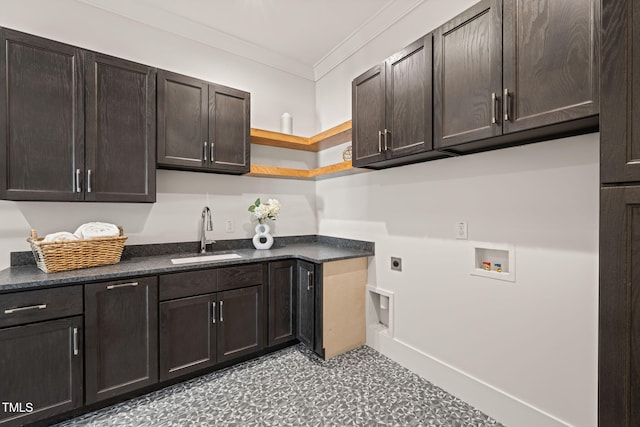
(506, 103)
(31, 307)
(379, 141)
(221, 304)
(308, 280)
(386, 139)
(205, 151)
(75, 341)
(212, 152)
(123, 285)
(78, 188)
(494, 98)
(88, 180)
(213, 312)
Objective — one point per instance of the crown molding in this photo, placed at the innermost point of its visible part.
(386, 17)
(148, 14)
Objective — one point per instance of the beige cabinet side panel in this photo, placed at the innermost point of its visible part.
(343, 310)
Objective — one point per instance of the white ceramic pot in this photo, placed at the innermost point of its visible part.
(262, 239)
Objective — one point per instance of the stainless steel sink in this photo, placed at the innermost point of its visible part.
(205, 258)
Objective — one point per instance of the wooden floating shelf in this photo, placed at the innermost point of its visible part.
(330, 138)
(330, 171)
(327, 139)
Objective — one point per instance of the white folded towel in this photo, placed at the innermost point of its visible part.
(61, 236)
(92, 230)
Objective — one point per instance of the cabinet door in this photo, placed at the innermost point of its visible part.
(468, 76)
(121, 124)
(551, 62)
(281, 302)
(620, 81)
(229, 129)
(42, 119)
(121, 320)
(240, 322)
(187, 335)
(619, 330)
(305, 295)
(368, 105)
(41, 370)
(409, 99)
(183, 121)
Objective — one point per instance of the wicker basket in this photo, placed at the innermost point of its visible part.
(74, 254)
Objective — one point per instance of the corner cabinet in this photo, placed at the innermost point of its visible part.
(202, 126)
(331, 305)
(77, 125)
(281, 307)
(501, 68)
(121, 337)
(392, 109)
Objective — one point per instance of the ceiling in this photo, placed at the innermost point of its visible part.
(303, 37)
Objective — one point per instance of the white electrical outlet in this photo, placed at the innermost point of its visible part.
(461, 230)
(229, 227)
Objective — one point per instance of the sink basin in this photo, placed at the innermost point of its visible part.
(205, 258)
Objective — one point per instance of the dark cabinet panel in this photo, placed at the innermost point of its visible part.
(187, 284)
(551, 62)
(42, 126)
(229, 129)
(183, 121)
(240, 276)
(202, 126)
(468, 75)
(620, 82)
(120, 130)
(240, 322)
(281, 323)
(368, 105)
(305, 317)
(121, 320)
(392, 109)
(40, 369)
(41, 304)
(409, 99)
(187, 335)
(619, 322)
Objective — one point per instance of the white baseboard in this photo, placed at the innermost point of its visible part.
(499, 405)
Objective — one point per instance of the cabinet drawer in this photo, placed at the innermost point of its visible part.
(240, 276)
(34, 306)
(187, 284)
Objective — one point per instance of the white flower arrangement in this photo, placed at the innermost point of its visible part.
(262, 211)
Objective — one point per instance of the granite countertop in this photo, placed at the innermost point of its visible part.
(316, 249)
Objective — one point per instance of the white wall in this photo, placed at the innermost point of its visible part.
(524, 352)
(180, 195)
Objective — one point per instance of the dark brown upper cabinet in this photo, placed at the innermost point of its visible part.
(503, 68)
(620, 117)
(392, 109)
(120, 130)
(77, 126)
(202, 126)
(42, 119)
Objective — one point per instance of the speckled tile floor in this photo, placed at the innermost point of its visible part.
(293, 387)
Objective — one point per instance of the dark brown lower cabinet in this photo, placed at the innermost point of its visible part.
(619, 314)
(281, 302)
(187, 335)
(240, 323)
(121, 336)
(305, 316)
(40, 370)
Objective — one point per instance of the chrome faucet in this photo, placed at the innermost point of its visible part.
(206, 221)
